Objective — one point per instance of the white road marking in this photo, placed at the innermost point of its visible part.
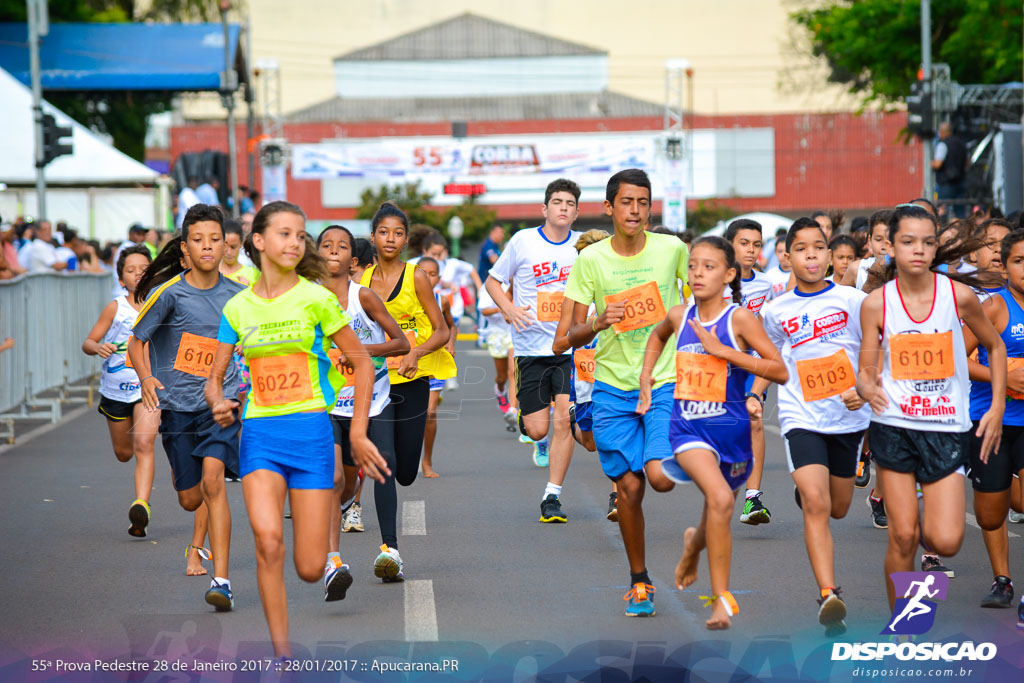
(414, 518)
(420, 614)
(973, 521)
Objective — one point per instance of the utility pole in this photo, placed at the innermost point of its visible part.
(229, 83)
(926, 70)
(676, 142)
(38, 25)
(250, 121)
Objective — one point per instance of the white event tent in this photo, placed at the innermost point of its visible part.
(97, 190)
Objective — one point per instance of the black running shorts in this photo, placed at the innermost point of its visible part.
(116, 411)
(539, 379)
(838, 452)
(997, 475)
(929, 456)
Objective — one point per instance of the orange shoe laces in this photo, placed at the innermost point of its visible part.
(639, 592)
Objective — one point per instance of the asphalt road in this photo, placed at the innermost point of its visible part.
(488, 586)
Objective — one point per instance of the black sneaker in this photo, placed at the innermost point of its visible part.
(863, 471)
(754, 512)
(1001, 594)
(832, 613)
(613, 507)
(551, 510)
(878, 517)
(796, 495)
(933, 563)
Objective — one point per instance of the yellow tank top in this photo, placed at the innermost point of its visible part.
(408, 312)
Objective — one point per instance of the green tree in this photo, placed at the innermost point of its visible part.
(407, 196)
(873, 47)
(124, 114)
(707, 215)
(476, 219)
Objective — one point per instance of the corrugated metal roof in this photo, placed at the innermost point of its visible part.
(515, 107)
(468, 36)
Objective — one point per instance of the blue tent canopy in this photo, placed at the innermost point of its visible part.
(177, 57)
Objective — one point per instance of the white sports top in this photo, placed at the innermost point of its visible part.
(117, 381)
(369, 332)
(934, 394)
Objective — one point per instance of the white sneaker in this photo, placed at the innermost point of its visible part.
(1016, 517)
(389, 566)
(352, 519)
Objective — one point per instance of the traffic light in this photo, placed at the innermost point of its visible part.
(920, 115)
(52, 135)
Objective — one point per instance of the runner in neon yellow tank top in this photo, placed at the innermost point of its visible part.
(409, 298)
(285, 325)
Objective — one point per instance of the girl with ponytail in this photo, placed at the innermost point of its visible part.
(709, 428)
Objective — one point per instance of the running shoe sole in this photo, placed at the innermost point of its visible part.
(559, 519)
(757, 517)
(641, 614)
(831, 615)
(997, 602)
(220, 601)
(138, 515)
(387, 569)
(613, 515)
(338, 586)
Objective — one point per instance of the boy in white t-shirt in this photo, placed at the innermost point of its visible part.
(745, 236)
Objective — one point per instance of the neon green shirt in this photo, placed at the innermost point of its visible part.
(599, 272)
(246, 275)
(285, 343)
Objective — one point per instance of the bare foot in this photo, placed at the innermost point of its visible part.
(686, 570)
(429, 472)
(194, 565)
(719, 620)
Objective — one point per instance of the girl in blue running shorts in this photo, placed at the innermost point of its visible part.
(710, 428)
(285, 324)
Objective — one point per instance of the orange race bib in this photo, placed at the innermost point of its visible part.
(1011, 365)
(395, 361)
(549, 306)
(347, 373)
(195, 355)
(825, 377)
(584, 361)
(643, 307)
(921, 356)
(700, 377)
(278, 380)
(127, 358)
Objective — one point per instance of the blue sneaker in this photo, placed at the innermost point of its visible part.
(540, 453)
(219, 595)
(523, 438)
(639, 599)
(1020, 614)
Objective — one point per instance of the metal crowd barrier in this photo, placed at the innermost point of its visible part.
(48, 315)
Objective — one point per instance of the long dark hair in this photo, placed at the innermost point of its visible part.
(730, 261)
(311, 266)
(948, 254)
(170, 261)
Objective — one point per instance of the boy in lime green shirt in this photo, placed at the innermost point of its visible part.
(633, 279)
